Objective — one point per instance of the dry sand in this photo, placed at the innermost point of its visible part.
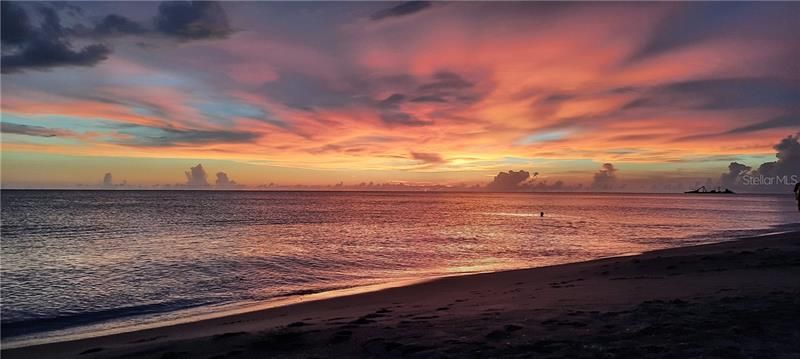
(726, 300)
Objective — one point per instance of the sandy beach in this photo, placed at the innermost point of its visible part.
(731, 299)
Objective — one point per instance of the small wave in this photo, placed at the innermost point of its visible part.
(28, 326)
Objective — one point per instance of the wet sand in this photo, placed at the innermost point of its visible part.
(727, 300)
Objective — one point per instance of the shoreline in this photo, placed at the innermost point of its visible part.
(226, 310)
(418, 306)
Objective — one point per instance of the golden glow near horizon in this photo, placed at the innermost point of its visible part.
(440, 94)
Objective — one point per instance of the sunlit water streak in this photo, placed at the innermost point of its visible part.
(83, 261)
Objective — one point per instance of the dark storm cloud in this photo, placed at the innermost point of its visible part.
(406, 8)
(163, 137)
(788, 121)
(114, 24)
(37, 131)
(26, 47)
(783, 121)
(605, 177)
(774, 176)
(442, 89)
(693, 23)
(735, 172)
(192, 20)
(196, 176)
(48, 45)
(720, 94)
(788, 163)
(182, 20)
(142, 135)
(510, 181)
(430, 158)
(309, 93)
(16, 26)
(43, 54)
(688, 23)
(51, 25)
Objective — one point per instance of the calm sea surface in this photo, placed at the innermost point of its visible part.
(75, 262)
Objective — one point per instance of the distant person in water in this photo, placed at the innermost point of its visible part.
(541, 214)
(797, 194)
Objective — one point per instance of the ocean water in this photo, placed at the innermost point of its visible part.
(78, 263)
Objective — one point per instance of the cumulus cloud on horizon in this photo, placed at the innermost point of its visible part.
(224, 181)
(773, 176)
(196, 176)
(510, 181)
(605, 177)
(108, 180)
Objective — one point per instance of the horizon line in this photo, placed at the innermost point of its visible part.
(213, 189)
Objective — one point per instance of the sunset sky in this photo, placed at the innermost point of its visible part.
(666, 94)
